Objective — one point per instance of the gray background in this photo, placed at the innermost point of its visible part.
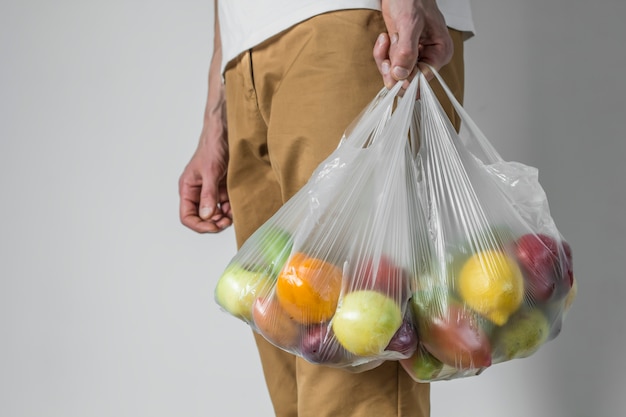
(106, 304)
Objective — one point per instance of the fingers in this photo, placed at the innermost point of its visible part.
(417, 33)
(381, 57)
(437, 53)
(222, 215)
(199, 209)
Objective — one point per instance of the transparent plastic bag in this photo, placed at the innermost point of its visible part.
(499, 278)
(328, 276)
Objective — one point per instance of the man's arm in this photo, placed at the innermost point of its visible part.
(204, 203)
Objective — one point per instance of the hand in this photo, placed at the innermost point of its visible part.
(204, 204)
(416, 32)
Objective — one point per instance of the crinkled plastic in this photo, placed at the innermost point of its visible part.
(500, 278)
(410, 242)
(329, 276)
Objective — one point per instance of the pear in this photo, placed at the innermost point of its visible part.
(522, 335)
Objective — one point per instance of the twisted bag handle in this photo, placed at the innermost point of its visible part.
(477, 141)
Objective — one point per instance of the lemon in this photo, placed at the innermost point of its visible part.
(570, 297)
(491, 283)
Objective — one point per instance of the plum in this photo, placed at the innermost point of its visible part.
(318, 345)
(404, 341)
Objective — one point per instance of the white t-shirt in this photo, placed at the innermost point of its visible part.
(246, 23)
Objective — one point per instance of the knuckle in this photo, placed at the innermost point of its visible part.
(405, 53)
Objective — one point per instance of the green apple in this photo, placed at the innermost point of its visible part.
(237, 289)
(431, 301)
(422, 366)
(275, 247)
(522, 335)
(365, 322)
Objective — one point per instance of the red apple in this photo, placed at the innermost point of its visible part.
(545, 263)
(274, 323)
(382, 275)
(456, 338)
(567, 281)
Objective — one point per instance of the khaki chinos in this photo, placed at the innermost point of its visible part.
(289, 100)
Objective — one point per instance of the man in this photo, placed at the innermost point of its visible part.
(286, 79)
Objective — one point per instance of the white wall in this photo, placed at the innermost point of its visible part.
(106, 304)
(545, 84)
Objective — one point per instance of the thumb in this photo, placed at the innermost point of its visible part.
(403, 54)
(208, 200)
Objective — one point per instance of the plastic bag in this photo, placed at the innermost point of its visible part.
(499, 279)
(329, 276)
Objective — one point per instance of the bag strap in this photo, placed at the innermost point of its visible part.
(481, 140)
(367, 126)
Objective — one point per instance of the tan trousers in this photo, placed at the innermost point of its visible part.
(289, 100)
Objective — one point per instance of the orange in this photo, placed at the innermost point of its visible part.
(308, 288)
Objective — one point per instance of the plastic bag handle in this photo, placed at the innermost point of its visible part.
(481, 139)
(368, 124)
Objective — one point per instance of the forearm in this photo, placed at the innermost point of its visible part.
(215, 111)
